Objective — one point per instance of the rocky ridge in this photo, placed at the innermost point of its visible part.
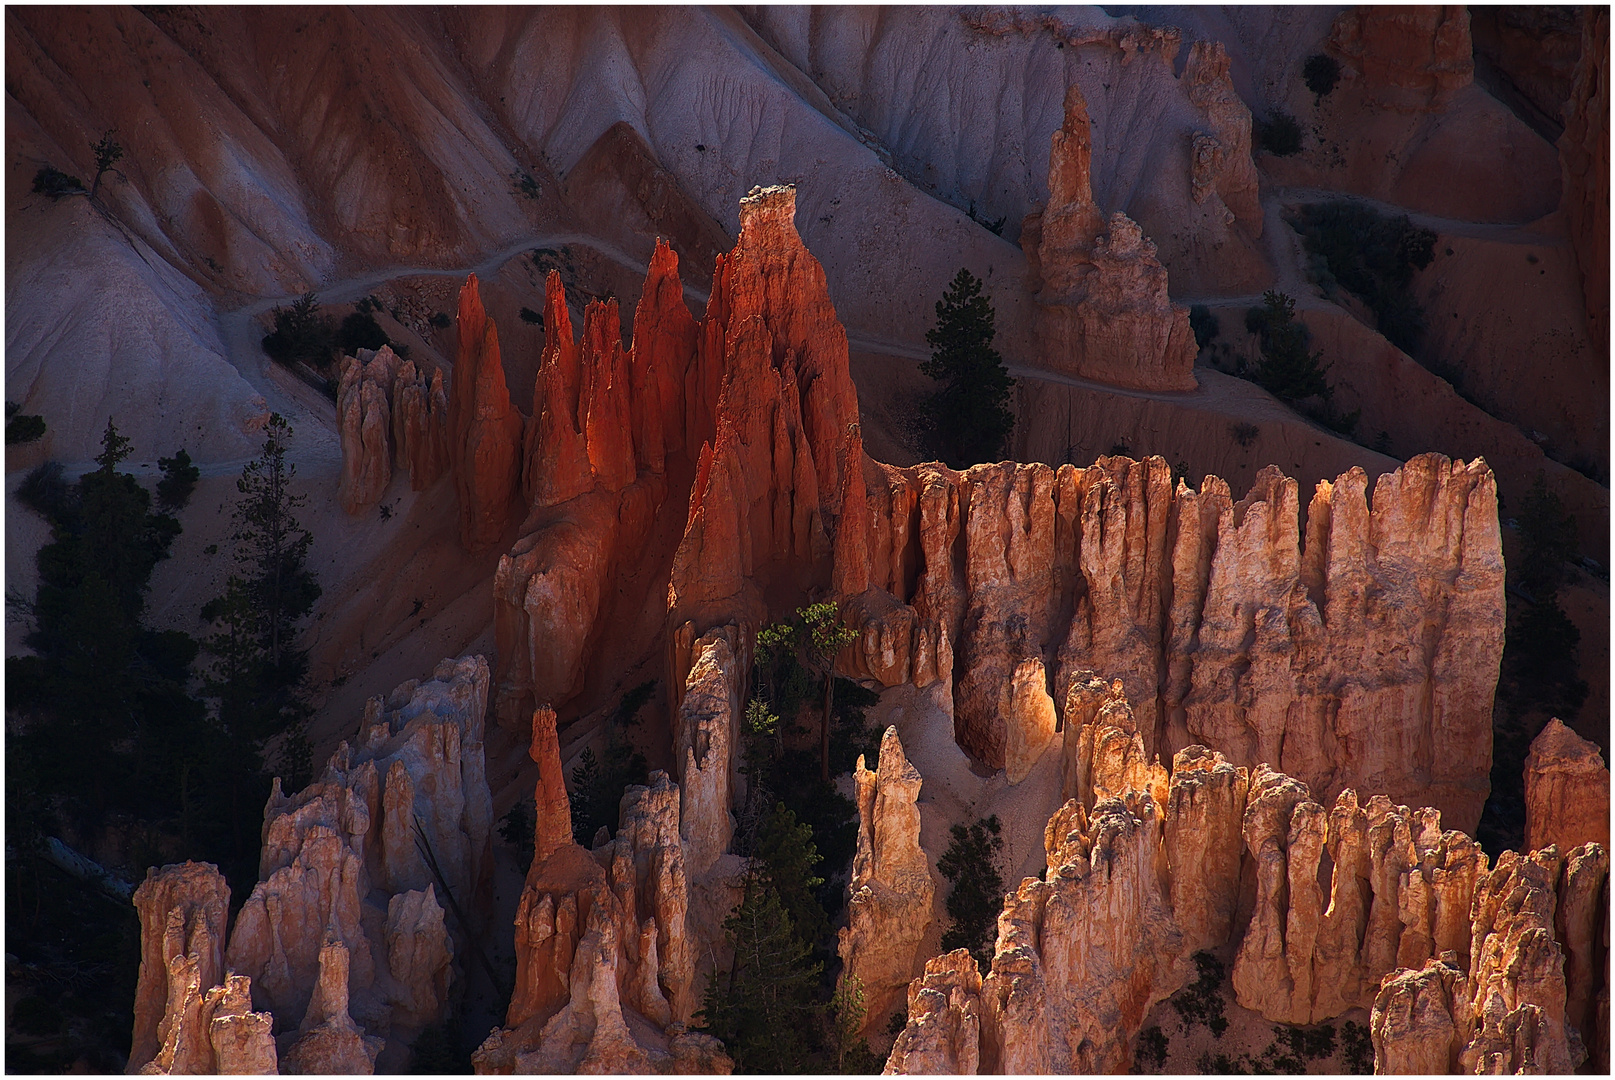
(1464, 965)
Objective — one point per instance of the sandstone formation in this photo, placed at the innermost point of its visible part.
(1221, 158)
(1103, 753)
(1102, 306)
(364, 420)
(190, 1016)
(1566, 791)
(605, 975)
(1410, 59)
(892, 890)
(1226, 630)
(1584, 165)
(484, 429)
(705, 737)
(943, 1033)
(388, 413)
(357, 867)
(1362, 906)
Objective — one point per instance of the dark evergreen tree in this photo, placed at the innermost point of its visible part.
(258, 671)
(764, 1008)
(786, 858)
(971, 410)
(977, 894)
(179, 480)
(826, 635)
(1288, 369)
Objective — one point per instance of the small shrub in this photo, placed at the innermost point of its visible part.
(1278, 135)
(360, 330)
(525, 184)
(179, 480)
(517, 828)
(977, 895)
(108, 152)
(54, 184)
(1120, 449)
(531, 316)
(45, 491)
(1152, 1046)
(22, 428)
(1321, 73)
(1201, 1001)
(994, 226)
(441, 320)
(1244, 433)
(301, 333)
(1204, 324)
(1355, 1040)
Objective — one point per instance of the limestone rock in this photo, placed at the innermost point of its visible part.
(183, 910)
(1419, 1018)
(1222, 159)
(891, 892)
(1566, 791)
(705, 732)
(1205, 809)
(1103, 753)
(552, 829)
(1581, 921)
(364, 419)
(242, 1043)
(1516, 971)
(1083, 955)
(420, 425)
(329, 1042)
(1029, 719)
(556, 451)
(943, 1033)
(485, 430)
(1584, 165)
(344, 881)
(1411, 59)
(1103, 310)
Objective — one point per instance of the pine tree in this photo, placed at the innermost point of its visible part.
(763, 1008)
(971, 865)
(1288, 370)
(258, 671)
(971, 410)
(786, 857)
(826, 636)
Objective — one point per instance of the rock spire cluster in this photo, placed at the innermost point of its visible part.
(389, 414)
(1102, 305)
(1464, 964)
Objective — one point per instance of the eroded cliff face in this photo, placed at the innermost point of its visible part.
(1102, 306)
(1465, 966)
(1566, 791)
(1220, 159)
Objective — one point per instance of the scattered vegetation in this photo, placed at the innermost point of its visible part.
(1244, 433)
(516, 829)
(1321, 72)
(1204, 324)
(525, 184)
(1152, 1047)
(994, 225)
(360, 330)
(1289, 369)
(302, 334)
(1373, 257)
(1278, 135)
(22, 428)
(441, 320)
(1201, 1002)
(179, 480)
(976, 887)
(536, 318)
(108, 152)
(970, 413)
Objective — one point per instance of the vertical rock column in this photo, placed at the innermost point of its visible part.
(891, 892)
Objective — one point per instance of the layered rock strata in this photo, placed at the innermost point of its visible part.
(1566, 791)
(605, 976)
(892, 889)
(1103, 310)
